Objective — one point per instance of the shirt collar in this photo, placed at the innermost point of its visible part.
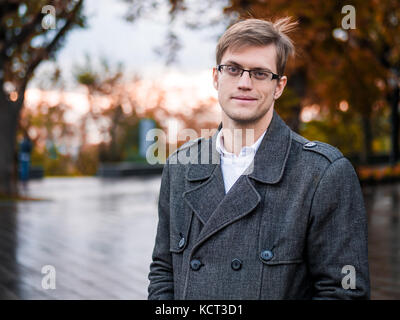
(246, 150)
(269, 161)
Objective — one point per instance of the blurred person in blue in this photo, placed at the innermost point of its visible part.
(25, 149)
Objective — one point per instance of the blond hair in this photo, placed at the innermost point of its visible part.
(257, 32)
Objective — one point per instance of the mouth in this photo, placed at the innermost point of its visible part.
(244, 98)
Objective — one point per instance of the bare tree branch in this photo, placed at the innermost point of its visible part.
(45, 52)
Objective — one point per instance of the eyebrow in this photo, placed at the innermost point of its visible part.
(240, 66)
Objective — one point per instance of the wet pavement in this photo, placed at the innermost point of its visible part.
(98, 234)
(383, 209)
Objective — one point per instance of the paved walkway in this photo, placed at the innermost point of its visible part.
(98, 234)
(383, 207)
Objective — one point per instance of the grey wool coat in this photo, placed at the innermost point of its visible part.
(292, 227)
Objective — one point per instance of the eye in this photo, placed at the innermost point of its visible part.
(233, 70)
(261, 75)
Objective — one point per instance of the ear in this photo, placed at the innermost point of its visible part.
(215, 78)
(279, 87)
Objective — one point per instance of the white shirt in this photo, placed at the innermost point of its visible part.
(233, 166)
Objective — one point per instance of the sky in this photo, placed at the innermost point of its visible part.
(109, 35)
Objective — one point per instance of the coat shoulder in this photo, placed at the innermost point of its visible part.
(323, 149)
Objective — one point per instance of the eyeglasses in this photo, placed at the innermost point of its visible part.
(235, 71)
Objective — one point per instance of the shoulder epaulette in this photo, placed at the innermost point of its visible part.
(325, 149)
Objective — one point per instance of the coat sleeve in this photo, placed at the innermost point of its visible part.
(337, 247)
(161, 285)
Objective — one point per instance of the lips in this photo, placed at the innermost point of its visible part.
(244, 98)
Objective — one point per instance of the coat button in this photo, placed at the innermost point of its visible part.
(181, 243)
(266, 255)
(310, 144)
(236, 264)
(195, 264)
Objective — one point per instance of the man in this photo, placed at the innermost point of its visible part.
(278, 218)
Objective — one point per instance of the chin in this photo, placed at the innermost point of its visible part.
(245, 118)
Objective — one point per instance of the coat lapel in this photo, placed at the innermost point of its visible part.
(241, 199)
(208, 200)
(205, 197)
(273, 152)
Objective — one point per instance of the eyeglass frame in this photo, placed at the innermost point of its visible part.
(274, 75)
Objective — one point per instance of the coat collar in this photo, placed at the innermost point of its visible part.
(269, 160)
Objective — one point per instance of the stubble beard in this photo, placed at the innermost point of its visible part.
(248, 121)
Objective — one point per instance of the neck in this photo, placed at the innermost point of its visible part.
(237, 135)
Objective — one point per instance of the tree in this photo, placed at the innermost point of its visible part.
(113, 123)
(27, 38)
(361, 65)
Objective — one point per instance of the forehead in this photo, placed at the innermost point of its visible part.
(252, 56)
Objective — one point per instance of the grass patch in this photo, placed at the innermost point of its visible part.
(17, 197)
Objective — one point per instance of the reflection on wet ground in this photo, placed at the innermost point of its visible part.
(383, 204)
(99, 234)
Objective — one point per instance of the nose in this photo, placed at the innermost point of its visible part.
(244, 81)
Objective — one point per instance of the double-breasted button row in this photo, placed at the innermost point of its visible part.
(196, 264)
(236, 264)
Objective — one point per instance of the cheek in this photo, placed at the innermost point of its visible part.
(223, 92)
(269, 94)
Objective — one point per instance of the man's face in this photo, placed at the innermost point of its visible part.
(245, 100)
